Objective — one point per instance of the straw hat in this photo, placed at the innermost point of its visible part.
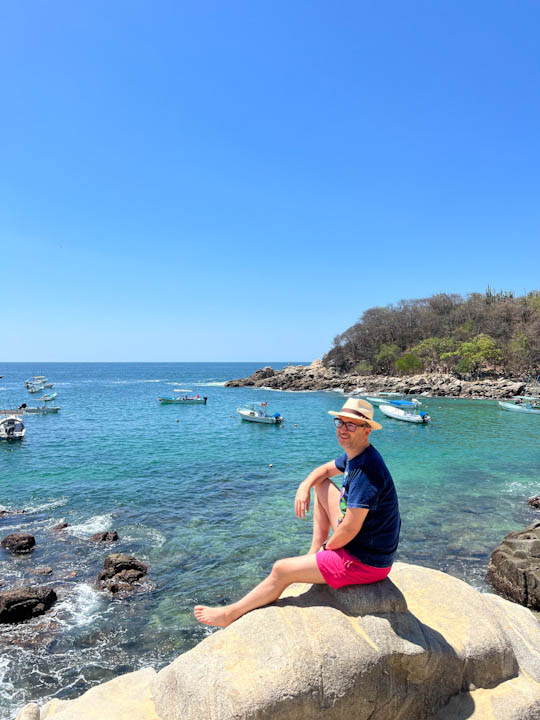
(357, 409)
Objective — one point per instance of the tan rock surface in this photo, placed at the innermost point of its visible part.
(127, 697)
(363, 652)
(420, 645)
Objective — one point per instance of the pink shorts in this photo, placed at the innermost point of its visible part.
(339, 568)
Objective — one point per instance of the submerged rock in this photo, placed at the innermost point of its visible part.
(60, 526)
(24, 603)
(105, 537)
(18, 543)
(45, 570)
(121, 573)
(534, 502)
(514, 567)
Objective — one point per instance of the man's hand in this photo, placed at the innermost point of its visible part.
(302, 499)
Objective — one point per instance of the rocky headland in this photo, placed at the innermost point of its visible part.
(420, 645)
(317, 376)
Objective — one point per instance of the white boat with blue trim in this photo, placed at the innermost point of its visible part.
(257, 412)
(405, 410)
(523, 404)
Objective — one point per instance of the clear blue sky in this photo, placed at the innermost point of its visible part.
(241, 180)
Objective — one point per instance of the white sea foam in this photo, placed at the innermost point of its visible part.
(47, 505)
(135, 533)
(210, 383)
(81, 605)
(95, 524)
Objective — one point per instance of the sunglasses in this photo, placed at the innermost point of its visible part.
(351, 427)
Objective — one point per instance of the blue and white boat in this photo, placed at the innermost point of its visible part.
(405, 410)
(527, 405)
(257, 412)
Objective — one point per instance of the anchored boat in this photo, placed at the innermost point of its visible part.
(184, 400)
(523, 407)
(405, 410)
(12, 428)
(257, 412)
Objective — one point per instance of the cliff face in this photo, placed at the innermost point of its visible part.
(420, 645)
(318, 377)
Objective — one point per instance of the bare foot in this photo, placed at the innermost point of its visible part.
(220, 617)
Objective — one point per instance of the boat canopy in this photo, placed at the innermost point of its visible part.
(403, 403)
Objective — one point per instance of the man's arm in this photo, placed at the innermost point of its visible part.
(315, 477)
(348, 529)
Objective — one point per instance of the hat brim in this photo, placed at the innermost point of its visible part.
(374, 424)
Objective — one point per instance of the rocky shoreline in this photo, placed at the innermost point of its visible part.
(317, 377)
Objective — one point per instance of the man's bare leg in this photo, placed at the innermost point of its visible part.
(326, 513)
(284, 573)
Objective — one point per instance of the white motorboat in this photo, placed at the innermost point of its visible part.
(35, 388)
(525, 407)
(48, 398)
(184, 400)
(257, 412)
(12, 428)
(406, 411)
(36, 380)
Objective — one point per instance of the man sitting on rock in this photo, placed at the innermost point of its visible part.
(363, 516)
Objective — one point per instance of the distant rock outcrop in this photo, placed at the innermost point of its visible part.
(420, 645)
(514, 566)
(319, 377)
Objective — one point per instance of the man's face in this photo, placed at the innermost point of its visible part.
(351, 433)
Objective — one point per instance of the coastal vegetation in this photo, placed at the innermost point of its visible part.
(491, 333)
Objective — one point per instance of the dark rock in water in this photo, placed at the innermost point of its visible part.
(18, 542)
(534, 502)
(43, 570)
(61, 526)
(121, 573)
(5, 513)
(514, 567)
(24, 603)
(106, 537)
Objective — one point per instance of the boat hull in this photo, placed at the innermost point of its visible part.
(181, 401)
(398, 414)
(45, 410)
(518, 408)
(265, 419)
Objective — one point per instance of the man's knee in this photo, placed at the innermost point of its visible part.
(280, 569)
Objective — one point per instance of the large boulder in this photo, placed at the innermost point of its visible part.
(121, 573)
(18, 543)
(514, 566)
(24, 603)
(419, 645)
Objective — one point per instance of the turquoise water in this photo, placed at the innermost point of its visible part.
(190, 491)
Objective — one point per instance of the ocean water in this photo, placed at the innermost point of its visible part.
(207, 501)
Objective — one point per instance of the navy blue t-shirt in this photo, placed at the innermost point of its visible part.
(367, 483)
